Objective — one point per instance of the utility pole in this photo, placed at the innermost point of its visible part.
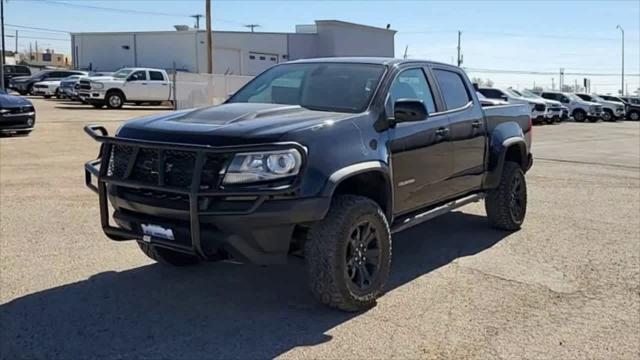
(197, 17)
(252, 26)
(561, 80)
(209, 40)
(406, 48)
(3, 48)
(622, 83)
(553, 84)
(459, 55)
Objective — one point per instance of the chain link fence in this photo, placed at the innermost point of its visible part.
(197, 90)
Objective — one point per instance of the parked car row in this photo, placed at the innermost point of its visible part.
(552, 106)
(113, 90)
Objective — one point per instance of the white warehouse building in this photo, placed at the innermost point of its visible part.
(237, 53)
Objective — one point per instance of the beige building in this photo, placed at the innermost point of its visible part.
(48, 58)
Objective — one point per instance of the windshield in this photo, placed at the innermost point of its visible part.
(596, 98)
(512, 92)
(318, 86)
(39, 74)
(573, 96)
(529, 95)
(122, 73)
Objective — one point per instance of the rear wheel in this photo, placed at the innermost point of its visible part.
(348, 254)
(47, 96)
(507, 204)
(168, 257)
(579, 116)
(634, 115)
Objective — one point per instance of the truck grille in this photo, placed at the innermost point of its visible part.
(598, 108)
(540, 107)
(20, 110)
(178, 166)
(39, 86)
(84, 85)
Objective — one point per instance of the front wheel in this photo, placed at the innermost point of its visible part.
(579, 116)
(607, 115)
(507, 204)
(348, 254)
(634, 115)
(114, 100)
(168, 257)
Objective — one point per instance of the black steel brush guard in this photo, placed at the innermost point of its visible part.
(194, 191)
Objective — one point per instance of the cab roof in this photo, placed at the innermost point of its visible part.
(368, 60)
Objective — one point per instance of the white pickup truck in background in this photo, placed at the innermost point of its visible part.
(128, 85)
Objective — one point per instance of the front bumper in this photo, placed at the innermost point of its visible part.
(92, 96)
(259, 232)
(17, 122)
(44, 91)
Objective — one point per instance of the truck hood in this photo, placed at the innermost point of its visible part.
(552, 102)
(228, 124)
(612, 103)
(10, 101)
(49, 83)
(21, 78)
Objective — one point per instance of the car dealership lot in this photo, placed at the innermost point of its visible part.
(566, 286)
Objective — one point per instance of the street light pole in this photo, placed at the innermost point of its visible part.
(3, 48)
(622, 84)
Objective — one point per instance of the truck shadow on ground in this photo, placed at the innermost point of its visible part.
(76, 106)
(219, 310)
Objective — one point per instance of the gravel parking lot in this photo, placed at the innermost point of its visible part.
(566, 286)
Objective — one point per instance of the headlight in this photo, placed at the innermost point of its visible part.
(4, 111)
(592, 108)
(263, 166)
(97, 85)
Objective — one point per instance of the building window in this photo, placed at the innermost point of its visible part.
(252, 57)
(46, 57)
(284, 56)
(273, 59)
(263, 58)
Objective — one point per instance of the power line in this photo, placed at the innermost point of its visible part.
(37, 28)
(36, 37)
(514, 34)
(129, 11)
(528, 72)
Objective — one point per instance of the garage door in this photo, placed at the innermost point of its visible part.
(259, 62)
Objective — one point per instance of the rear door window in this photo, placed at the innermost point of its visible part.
(491, 93)
(156, 76)
(454, 91)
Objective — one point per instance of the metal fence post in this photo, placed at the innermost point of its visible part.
(175, 98)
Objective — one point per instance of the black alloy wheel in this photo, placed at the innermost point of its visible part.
(362, 257)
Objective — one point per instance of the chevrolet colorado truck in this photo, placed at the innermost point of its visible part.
(128, 85)
(323, 158)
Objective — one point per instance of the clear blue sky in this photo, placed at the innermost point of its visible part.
(541, 36)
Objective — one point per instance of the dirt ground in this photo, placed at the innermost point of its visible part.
(566, 286)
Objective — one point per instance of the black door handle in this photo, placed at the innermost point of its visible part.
(442, 132)
(476, 124)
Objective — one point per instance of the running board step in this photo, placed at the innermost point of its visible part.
(437, 211)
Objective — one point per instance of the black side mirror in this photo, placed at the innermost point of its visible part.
(409, 110)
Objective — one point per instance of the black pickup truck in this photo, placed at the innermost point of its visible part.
(325, 158)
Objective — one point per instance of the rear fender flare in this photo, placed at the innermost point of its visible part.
(504, 136)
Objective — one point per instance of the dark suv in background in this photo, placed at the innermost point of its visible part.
(24, 84)
(11, 71)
